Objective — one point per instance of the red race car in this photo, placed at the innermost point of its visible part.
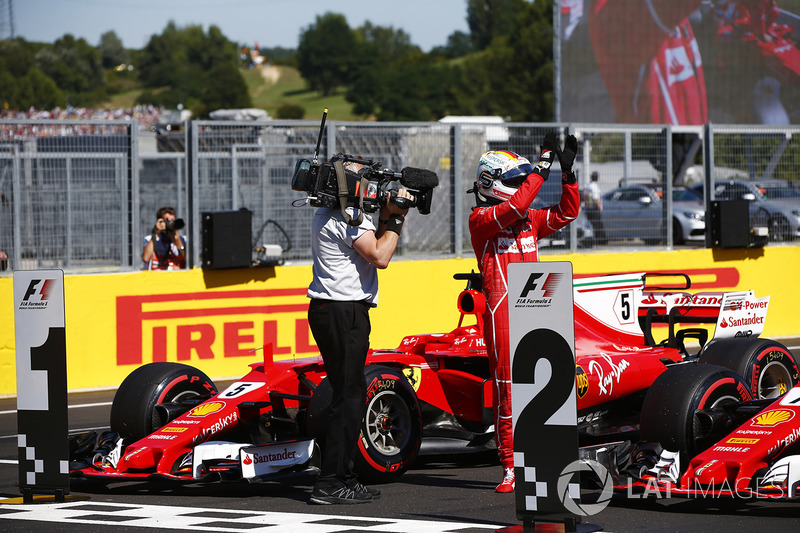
(432, 393)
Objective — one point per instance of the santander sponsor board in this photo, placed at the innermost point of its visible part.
(741, 315)
(263, 460)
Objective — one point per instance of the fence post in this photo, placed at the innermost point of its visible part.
(708, 170)
(668, 185)
(456, 171)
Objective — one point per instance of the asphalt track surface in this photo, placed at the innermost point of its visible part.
(438, 494)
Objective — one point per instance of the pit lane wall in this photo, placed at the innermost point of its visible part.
(214, 320)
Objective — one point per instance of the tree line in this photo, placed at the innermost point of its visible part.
(503, 66)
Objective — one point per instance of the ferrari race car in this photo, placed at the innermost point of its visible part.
(704, 436)
(433, 393)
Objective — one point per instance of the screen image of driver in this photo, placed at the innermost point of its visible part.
(504, 229)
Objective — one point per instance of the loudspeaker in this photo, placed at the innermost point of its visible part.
(226, 239)
(730, 224)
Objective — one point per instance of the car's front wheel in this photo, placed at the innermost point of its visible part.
(133, 411)
(668, 412)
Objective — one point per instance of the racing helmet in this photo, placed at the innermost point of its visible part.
(500, 173)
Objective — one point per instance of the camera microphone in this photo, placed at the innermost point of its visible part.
(418, 178)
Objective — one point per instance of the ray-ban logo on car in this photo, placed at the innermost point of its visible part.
(539, 290)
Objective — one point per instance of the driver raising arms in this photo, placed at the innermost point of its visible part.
(504, 229)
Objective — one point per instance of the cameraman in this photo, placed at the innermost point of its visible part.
(343, 289)
(165, 248)
(504, 229)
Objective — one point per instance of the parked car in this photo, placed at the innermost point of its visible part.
(774, 199)
(637, 211)
(550, 194)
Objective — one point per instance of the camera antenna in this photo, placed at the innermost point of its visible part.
(319, 138)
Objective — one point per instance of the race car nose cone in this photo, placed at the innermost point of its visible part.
(715, 473)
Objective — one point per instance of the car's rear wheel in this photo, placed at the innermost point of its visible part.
(767, 366)
(133, 411)
(391, 430)
(668, 412)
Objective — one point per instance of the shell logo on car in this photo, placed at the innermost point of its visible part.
(207, 409)
(773, 418)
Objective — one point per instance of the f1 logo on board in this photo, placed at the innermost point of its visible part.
(539, 290)
(38, 294)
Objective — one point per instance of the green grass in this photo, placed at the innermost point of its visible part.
(269, 93)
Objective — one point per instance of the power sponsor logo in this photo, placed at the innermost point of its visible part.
(773, 418)
(37, 295)
(742, 315)
(206, 409)
(539, 290)
(212, 324)
(581, 381)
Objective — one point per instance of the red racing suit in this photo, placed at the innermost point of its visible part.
(503, 234)
(649, 59)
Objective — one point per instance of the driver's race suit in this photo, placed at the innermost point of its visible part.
(503, 234)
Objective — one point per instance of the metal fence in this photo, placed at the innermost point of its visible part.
(82, 195)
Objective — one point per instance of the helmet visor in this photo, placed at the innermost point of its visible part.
(515, 176)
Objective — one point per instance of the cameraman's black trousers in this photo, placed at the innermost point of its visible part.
(341, 331)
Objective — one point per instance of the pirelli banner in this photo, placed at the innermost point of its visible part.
(542, 342)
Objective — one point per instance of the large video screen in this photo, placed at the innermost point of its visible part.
(680, 61)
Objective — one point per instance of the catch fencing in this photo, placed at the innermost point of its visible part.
(83, 195)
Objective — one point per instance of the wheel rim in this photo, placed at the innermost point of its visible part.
(388, 423)
(774, 380)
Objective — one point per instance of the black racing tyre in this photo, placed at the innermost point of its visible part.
(133, 413)
(767, 366)
(391, 432)
(671, 402)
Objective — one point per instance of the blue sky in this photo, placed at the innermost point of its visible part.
(268, 22)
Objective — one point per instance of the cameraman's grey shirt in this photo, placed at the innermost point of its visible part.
(340, 272)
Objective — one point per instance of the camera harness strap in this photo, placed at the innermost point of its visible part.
(341, 181)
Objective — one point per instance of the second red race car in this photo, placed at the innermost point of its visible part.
(431, 394)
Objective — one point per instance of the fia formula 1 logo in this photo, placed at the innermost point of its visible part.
(37, 294)
(539, 290)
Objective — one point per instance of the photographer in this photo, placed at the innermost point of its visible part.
(343, 289)
(504, 229)
(165, 248)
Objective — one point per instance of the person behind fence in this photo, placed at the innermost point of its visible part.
(504, 229)
(344, 288)
(593, 202)
(165, 247)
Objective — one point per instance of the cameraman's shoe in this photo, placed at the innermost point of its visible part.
(340, 493)
(355, 485)
(507, 485)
